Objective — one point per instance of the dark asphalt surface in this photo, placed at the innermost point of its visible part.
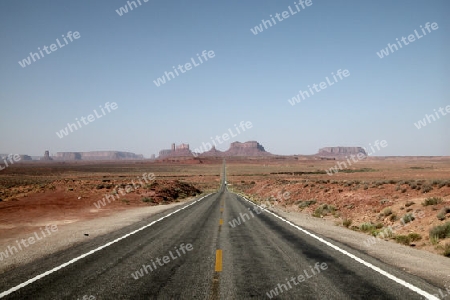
(259, 255)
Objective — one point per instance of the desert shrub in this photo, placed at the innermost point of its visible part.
(441, 185)
(442, 213)
(340, 190)
(366, 227)
(379, 225)
(409, 203)
(306, 203)
(384, 201)
(407, 218)
(366, 187)
(347, 222)
(393, 217)
(440, 231)
(426, 188)
(414, 236)
(385, 233)
(446, 250)
(323, 210)
(387, 211)
(356, 187)
(148, 199)
(432, 201)
(403, 239)
(413, 186)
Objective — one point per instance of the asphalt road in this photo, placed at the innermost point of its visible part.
(195, 253)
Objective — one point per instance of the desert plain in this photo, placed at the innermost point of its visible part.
(403, 200)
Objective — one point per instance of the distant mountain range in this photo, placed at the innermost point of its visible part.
(237, 149)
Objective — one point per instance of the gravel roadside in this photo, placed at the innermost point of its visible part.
(431, 267)
(69, 234)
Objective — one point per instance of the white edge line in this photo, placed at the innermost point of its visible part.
(36, 278)
(367, 264)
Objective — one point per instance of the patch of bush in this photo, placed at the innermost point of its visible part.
(446, 250)
(383, 233)
(387, 211)
(427, 188)
(432, 201)
(440, 231)
(442, 213)
(306, 203)
(347, 222)
(323, 210)
(409, 203)
(393, 217)
(148, 199)
(366, 227)
(414, 236)
(403, 239)
(379, 225)
(407, 218)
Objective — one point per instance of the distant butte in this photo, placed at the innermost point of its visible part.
(340, 151)
(251, 148)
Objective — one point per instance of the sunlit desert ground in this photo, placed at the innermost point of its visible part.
(405, 197)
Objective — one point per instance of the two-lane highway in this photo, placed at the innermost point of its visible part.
(218, 247)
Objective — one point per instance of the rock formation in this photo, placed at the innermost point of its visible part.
(251, 148)
(97, 155)
(340, 151)
(176, 151)
(46, 156)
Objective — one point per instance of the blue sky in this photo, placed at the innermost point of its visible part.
(251, 77)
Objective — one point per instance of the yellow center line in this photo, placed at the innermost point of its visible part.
(218, 260)
(221, 210)
(220, 221)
